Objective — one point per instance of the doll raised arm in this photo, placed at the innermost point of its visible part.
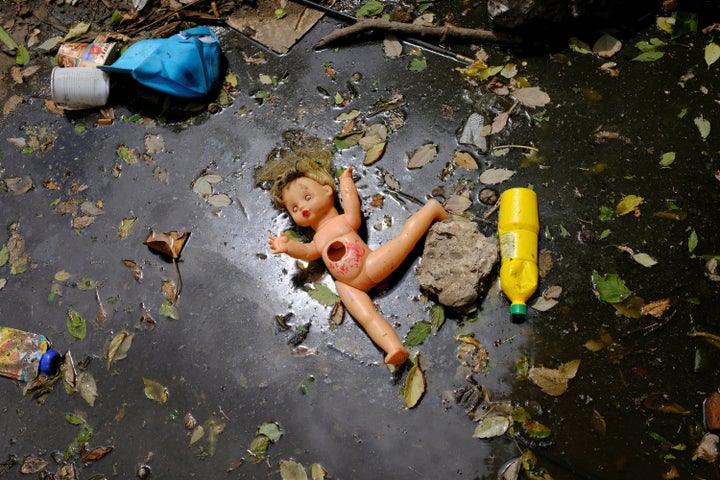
(350, 199)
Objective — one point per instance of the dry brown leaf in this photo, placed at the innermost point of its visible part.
(465, 160)
(656, 308)
(549, 380)
(531, 97)
(169, 243)
(423, 156)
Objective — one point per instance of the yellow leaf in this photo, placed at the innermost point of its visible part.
(155, 391)
(712, 53)
(570, 369)
(414, 385)
(552, 382)
(629, 204)
(118, 348)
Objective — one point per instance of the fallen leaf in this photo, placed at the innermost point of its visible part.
(414, 385)
(374, 153)
(118, 347)
(531, 97)
(392, 46)
(493, 176)
(155, 391)
(423, 156)
(291, 470)
(465, 160)
(87, 387)
(703, 126)
(712, 53)
(457, 204)
(628, 204)
(492, 426)
(606, 46)
(168, 243)
(554, 382)
(656, 308)
(126, 226)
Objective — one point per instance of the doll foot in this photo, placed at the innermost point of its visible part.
(397, 357)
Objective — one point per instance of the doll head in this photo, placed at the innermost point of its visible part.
(311, 160)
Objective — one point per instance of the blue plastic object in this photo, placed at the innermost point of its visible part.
(186, 65)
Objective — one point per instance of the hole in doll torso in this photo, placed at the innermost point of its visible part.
(336, 251)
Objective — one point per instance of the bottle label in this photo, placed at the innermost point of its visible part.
(507, 245)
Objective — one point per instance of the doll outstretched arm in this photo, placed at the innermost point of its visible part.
(284, 244)
(350, 199)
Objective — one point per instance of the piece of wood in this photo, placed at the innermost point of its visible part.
(409, 29)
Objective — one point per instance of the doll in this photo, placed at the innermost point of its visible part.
(303, 185)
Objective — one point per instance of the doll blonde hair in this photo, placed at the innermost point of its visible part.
(312, 160)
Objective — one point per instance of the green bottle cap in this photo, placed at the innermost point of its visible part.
(517, 312)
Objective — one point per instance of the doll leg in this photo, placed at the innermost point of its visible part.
(385, 259)
(360, 306)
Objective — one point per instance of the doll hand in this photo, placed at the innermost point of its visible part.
(279, 244)
(347, 173)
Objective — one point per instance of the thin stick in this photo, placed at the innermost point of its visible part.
(526, 147)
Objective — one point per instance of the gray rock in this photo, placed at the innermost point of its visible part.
(456, 263)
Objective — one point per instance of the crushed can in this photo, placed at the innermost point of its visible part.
(86, 54)
(24, 356)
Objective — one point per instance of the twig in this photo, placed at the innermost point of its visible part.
(419, 30)
(178, 287)
(709, 336)
(526, 147)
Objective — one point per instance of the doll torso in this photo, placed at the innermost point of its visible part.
(344, 252)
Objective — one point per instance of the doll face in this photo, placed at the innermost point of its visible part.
(307, 201)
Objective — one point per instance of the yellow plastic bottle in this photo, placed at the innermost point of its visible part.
(518, 228)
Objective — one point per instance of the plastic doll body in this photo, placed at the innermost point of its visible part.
(354, 266)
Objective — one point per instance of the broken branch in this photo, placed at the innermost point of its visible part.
(402, 28)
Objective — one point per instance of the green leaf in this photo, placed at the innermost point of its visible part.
(712, 53)
(437, 316)
(692, 241)
(373, 7)
(75, 323)
(685, 22)
(77, 30)
(22, 56)
(271, 430)
(74, 419)
(418, 333)
(667, 159)
(536, 429)
(650, 56)
(167, 309)
(4, 255)
(7, 39)
(280, 13)
(610, 287)
(644, 259)
(417, 64)
(703, 126)
(322, 294)
(606, 213)
(258, 447)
